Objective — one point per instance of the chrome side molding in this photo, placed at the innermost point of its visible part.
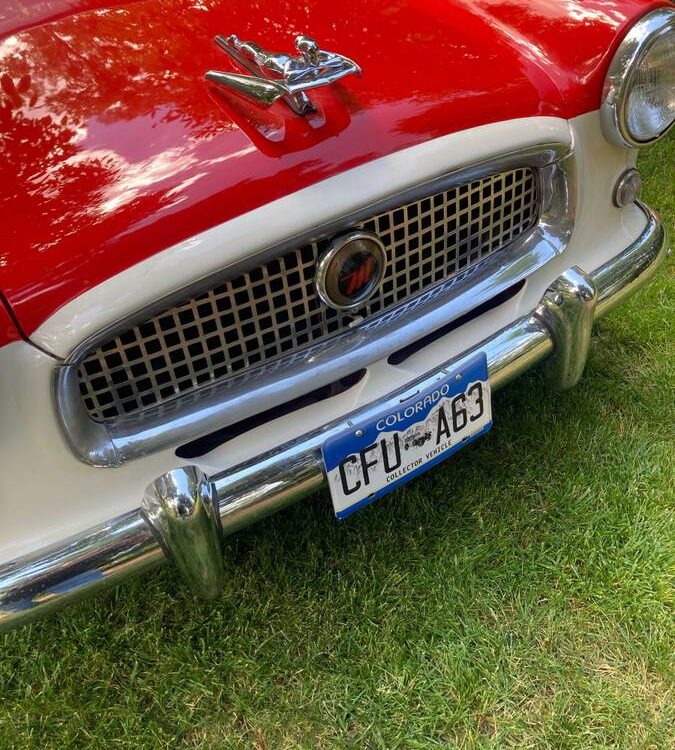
(179, 508)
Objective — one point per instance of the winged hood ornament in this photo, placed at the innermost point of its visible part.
(277, 75)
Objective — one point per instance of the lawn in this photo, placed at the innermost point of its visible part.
(519, 596)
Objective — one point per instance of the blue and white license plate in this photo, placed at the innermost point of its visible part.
(374, 457)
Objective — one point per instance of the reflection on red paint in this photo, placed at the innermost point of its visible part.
(114, 147)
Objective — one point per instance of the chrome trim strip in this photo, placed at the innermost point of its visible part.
(37, 584)
(220, 404)
(617, 83)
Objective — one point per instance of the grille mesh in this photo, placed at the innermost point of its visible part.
(273, 310)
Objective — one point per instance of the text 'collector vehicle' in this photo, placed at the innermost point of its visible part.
(249, 250)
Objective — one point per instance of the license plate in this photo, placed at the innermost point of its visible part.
(374, 457)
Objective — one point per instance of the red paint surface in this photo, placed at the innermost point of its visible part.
(8, 331)
(114, 147)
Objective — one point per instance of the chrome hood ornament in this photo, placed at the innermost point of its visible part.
(276, 75)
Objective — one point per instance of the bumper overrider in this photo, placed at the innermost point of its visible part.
(185, 514)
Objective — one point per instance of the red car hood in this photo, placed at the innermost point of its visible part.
(115, 147)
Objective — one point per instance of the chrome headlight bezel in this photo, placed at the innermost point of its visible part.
(618, 83)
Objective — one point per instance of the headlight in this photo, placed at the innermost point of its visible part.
(638, 101)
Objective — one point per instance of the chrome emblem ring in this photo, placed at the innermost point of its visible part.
(351, 270)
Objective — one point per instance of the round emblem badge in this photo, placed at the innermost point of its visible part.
(351, 270)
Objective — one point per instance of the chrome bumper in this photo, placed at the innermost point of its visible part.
(184, 514)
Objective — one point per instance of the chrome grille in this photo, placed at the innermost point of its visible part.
(272, 310)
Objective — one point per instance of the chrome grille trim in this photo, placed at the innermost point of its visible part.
(273, 310)
(224, 402)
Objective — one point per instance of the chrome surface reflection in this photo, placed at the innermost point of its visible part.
(568, 310)
(277, 75)
(181, 507)
(618, 83)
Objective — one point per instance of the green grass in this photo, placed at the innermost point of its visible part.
(519, 596)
